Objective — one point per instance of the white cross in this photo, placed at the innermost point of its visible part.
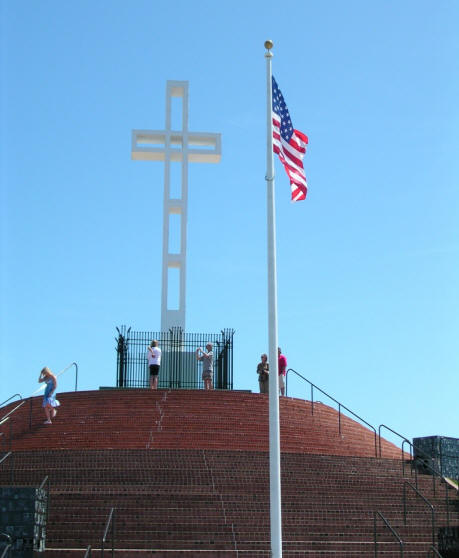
(183, 146)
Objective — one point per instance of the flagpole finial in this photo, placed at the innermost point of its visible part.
(269, 44)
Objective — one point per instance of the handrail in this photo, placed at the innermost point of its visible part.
(412, 447)
(393, 432)
(43, 482)
(8, 546)
(104, 538)
(4, 458)
(88, 552)
(432, 509)
(18, 394)
(12, 411)
(3, 421)
(7, 416)
(399, 540)
(340, 405)
(433, 551)
(60, 374)
(435, 471)
(234, 539)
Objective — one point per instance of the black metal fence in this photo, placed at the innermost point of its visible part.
(179, 367)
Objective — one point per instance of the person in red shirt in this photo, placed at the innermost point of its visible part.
(282, 365)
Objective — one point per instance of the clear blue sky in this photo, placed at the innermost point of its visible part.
(367, 265)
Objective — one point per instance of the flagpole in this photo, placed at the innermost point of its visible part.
(274, 434)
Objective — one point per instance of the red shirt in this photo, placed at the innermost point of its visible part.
(282, 364)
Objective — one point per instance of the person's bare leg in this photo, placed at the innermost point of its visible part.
(48, 417)
(155, 382)
(151, 381)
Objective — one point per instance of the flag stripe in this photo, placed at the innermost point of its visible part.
(289, 144)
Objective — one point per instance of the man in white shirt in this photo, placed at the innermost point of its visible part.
(154, 362)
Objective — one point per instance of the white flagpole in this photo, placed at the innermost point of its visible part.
(274, 433)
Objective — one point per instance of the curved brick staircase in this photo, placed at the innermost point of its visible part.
(188, 474)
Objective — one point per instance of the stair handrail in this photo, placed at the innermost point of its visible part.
(435, 471)
(9, 545)
(340, 405)
(7, 416)
(4, 458)
(433, 552)
(387, 524)
(234, 539)
(412, 447)
(3, 421)
(110, 521)
(9, 398)
(43, 482)
(88, 552)
(426, 501)
(60, 374)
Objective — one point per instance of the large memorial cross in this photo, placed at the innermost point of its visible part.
(175, 146)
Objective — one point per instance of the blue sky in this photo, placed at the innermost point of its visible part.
(367, 265)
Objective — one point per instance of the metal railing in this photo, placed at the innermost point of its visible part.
(433, 552)
(60, 374)
(4, 458)
(9, 545)
(377, 514)
(12, 397)
(429, 504)
(340, 406)
(179, 367)
(435, 472)
(3, 436)
(8, 416)
(88, 552)
(7, 419)
(110, 522)
(44, 482)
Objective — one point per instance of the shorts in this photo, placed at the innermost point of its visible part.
(281, 381)
(154, 369)
(207, 375)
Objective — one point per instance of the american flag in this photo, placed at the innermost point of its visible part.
(289, 144)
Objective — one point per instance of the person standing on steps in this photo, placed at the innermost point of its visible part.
(282, 364)
(207, 365)
(263, 374)
(49, 397)
(154, 362)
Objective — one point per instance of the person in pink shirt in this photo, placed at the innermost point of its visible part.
(282, 365)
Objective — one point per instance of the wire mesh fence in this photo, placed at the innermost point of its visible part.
(180, 368)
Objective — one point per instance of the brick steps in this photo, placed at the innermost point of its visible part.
(323, 497)
(186, 419)
(339, 550)
(188, 475)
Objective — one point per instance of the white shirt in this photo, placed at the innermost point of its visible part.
(154, 356)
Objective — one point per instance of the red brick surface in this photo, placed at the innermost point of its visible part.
(183, 419)
(188, 475)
